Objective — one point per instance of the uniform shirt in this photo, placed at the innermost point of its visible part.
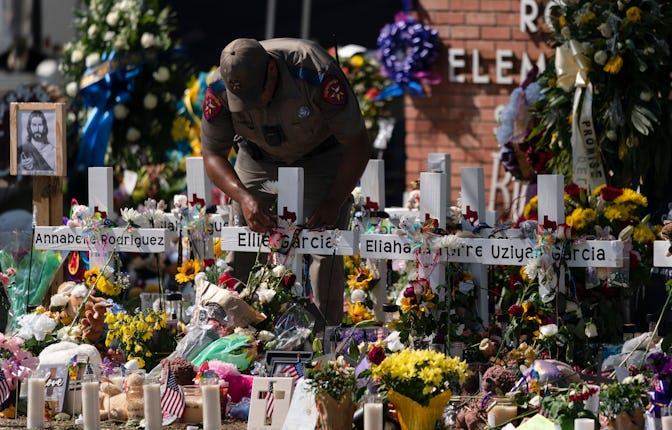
(312, 102)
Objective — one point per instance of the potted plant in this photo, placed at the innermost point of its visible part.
(622, 403)
(419, 383)
(564, 406)
(335, 386)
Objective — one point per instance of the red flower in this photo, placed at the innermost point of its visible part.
(610, 193)
(409, 292)
(515, 311)
(207, 262)
(514, 281)
(289, 280)
(574, 191)
(372, 94)
(376, 355)
(227, 280)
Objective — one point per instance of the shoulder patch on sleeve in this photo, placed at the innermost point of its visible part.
(212, 104)
(334, 91)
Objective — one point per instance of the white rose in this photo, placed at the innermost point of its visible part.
(109, 36)
(76, 56)
(147, 40)
(71, 117)
(132, 134)
(120, 111)
(600, 58)
(266, 295)
(393, 342)
(358, 296)
(58, 300)
(92, 59)
(92, 30)
(548, 330)
(112, 18)
(645, 96)
(71, 89)
(611, 135)
(265, 336)
(605, 30)
(278, 270)
(591, 330)
(162, 74)
(180, 201)
(150, 101)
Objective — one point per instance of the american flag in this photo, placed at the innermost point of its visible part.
(294, 370)
(269, 396)
(4, 387)
(172, 398)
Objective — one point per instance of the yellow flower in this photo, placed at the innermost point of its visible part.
(357, 61)
(631, 196)
(580, 218)
(187, 271)
(614, 65)
(91, 275)
(633, 14)
(585, 19)
(361, 279)
(358, 312)
(562, 21)
(616, 213)
(218, 247)
(531, 207)
(643, 234)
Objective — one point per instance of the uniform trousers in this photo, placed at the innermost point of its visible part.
(327, 275)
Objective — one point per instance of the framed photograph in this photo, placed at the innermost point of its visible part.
(37, 139)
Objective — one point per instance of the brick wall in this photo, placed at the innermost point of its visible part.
(459, 118)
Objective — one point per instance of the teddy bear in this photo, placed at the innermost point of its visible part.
(92, 315)
(496, 380)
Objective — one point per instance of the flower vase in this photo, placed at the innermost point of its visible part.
(335, 414)
(626, 421)
(414, 416)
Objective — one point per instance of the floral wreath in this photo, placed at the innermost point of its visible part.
(408, 49)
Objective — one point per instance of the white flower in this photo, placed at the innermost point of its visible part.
(150, 101)
(71, 89)
(92, 30)
(132, 216)
(565, 32)
(459, 329)
(591, 330)
(162, 74)
(34, 325)
(71, 117)
(180, 201)
(265, 336)
(265, 294)
(548, 330)
(645, 96)
(92, 59)
(79, 290)
(611, 135)
(76, 56)
(393, 342)
(120, 111)
(605, 30)
(600, 58)
(58, 300)
(358, 296)
(278, 270)
(109, 36)
(133, 134)
(451, 242)
(112, 18)
(297, 289)
(69, 334)
(147, 40)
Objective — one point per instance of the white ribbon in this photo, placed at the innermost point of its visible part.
(572, 72)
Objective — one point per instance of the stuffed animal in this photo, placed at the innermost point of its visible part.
(496, 380)
(240, 385)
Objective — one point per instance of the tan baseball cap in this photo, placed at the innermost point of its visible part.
(243, 66)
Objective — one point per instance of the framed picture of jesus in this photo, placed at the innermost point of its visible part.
(37, 139)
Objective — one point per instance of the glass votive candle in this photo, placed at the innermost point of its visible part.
(91, 402)
(36, 388)
(212, 412)
(373, 412)
(151, 390)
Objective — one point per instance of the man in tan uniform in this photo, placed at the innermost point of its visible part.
(290, 102)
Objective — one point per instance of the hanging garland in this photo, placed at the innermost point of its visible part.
(408, 49)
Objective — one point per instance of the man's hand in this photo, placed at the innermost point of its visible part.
(259, 218)
(26, 162)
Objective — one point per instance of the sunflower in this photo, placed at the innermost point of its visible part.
(361, 279)
(187, 271)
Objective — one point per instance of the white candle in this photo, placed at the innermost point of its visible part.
(36, 403)
(212, 413)
(91, 405)
(373, 416)
(584, 424)
(152, 397)
(667, 422)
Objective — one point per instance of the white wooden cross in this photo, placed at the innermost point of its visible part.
(64, 238)
(290, 209)
(269, 403)
(394, 246)
(517, 251)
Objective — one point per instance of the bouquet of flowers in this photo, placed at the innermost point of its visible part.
(627, 397)
(333, 377)
(137, 335)
(361, 278)
(613, 58)
(564, 406)
(419, 374)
